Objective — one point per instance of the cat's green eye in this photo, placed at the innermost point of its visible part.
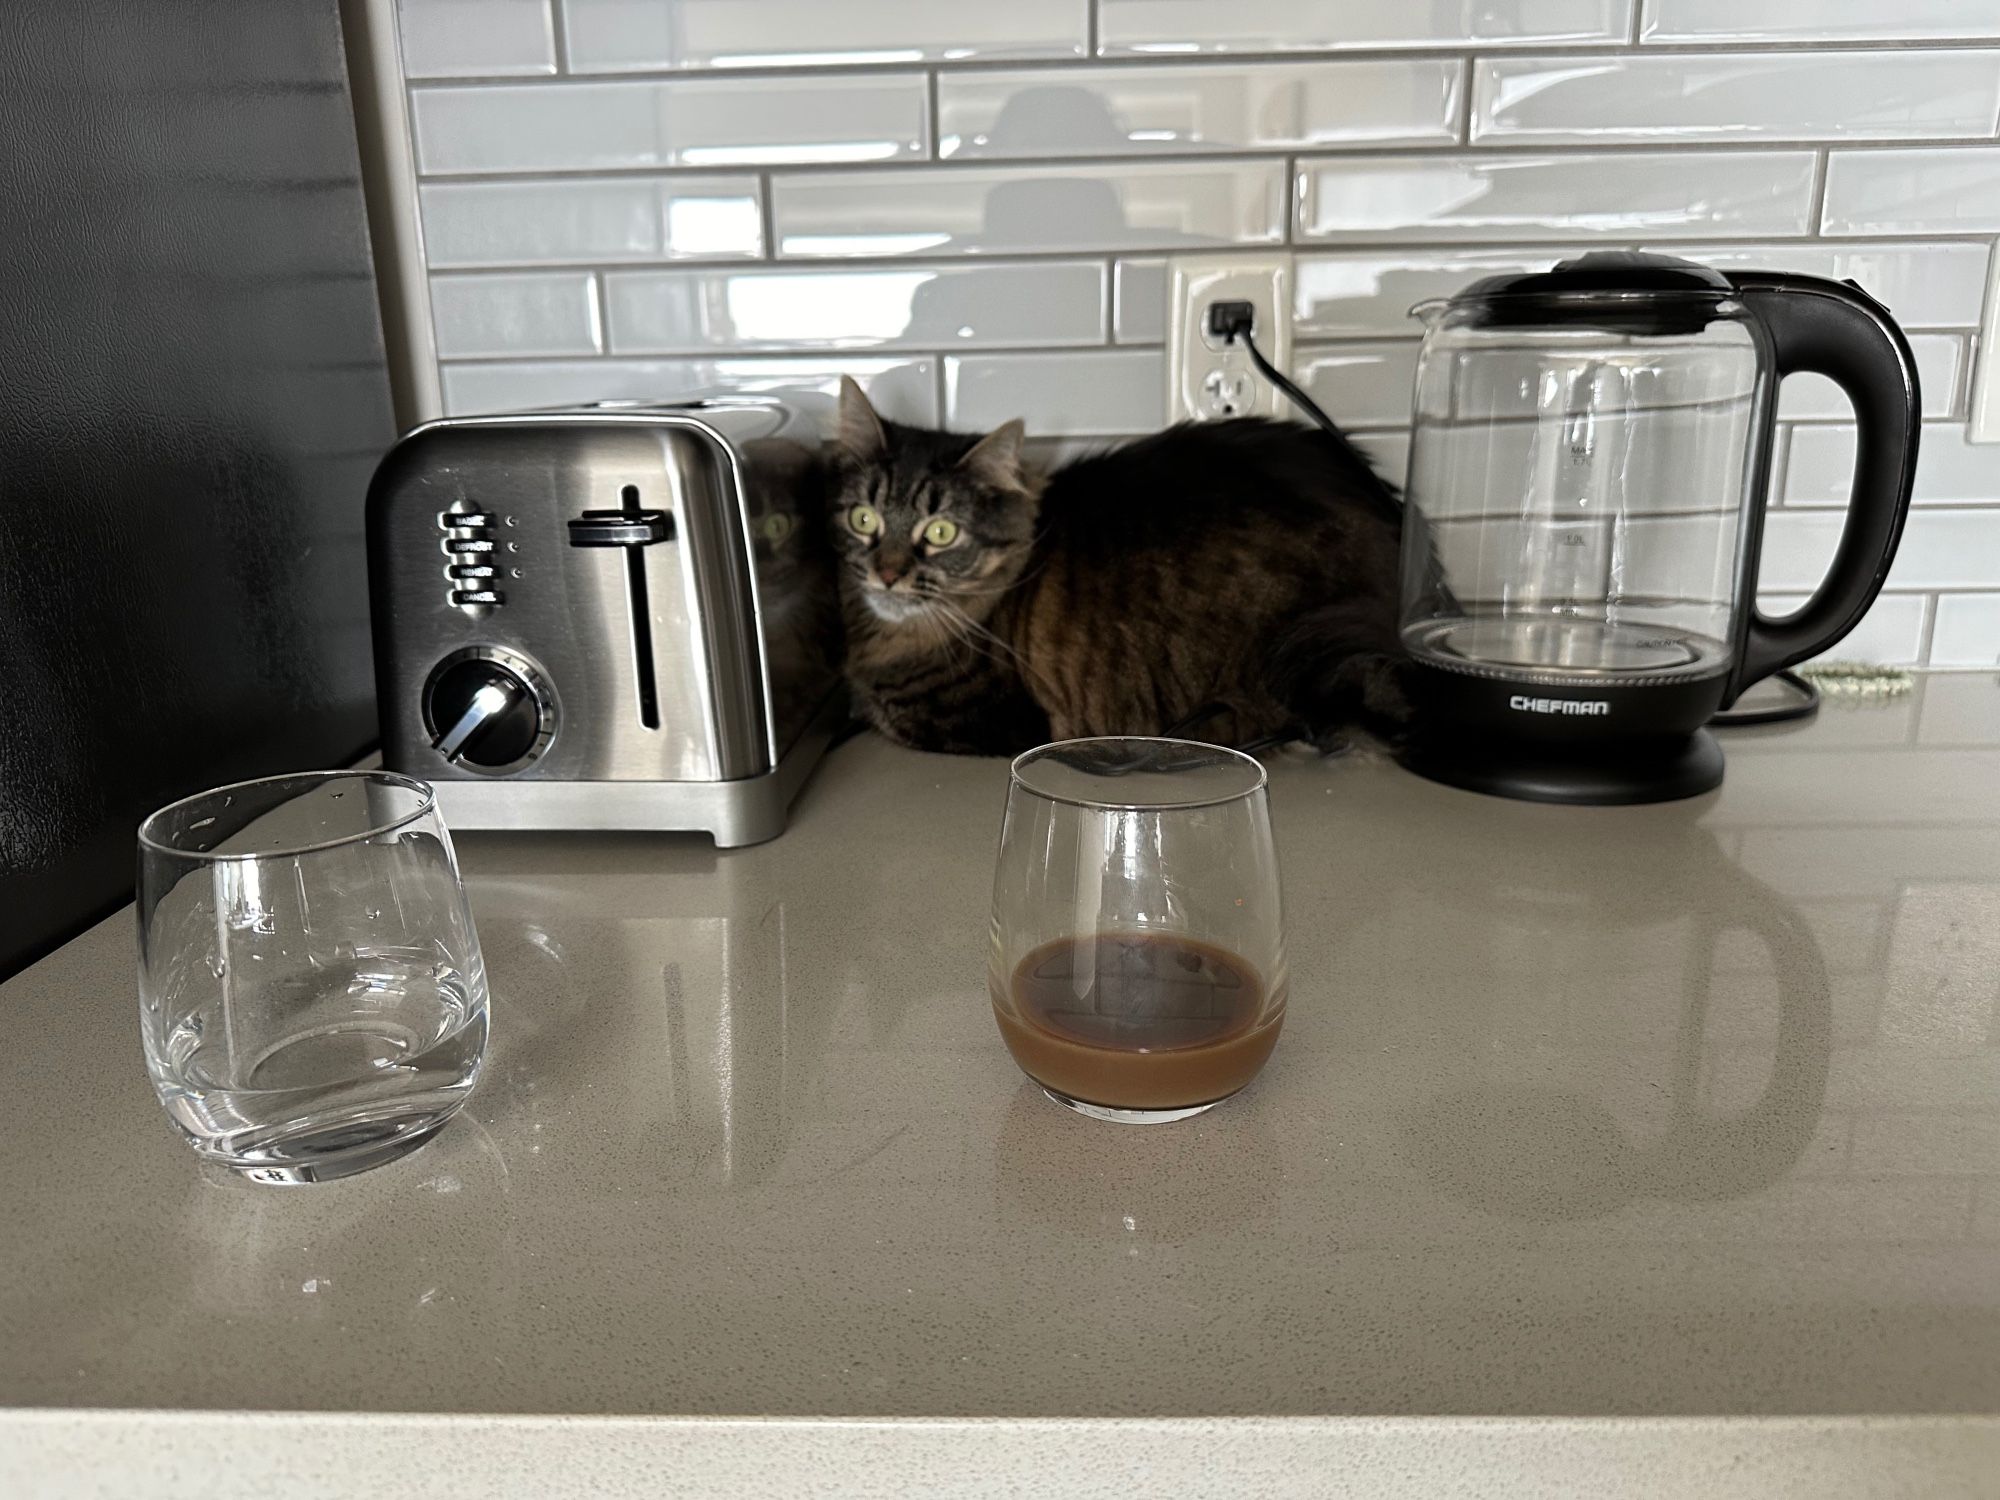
(863, 521)
(941, 532)
(775, 527)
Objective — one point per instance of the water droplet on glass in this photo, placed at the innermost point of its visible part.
(218, 965)
(202, 822)
(374, 913)
(340, 794)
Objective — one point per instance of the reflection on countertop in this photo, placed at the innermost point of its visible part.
(1682, 1109)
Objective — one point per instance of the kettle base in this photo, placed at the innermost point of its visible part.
(1613, 775)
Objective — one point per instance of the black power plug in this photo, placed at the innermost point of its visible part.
(1230, 321)
(1235, 322)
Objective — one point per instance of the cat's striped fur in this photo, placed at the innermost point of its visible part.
(1247, 564)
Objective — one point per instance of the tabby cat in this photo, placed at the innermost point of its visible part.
(1235, 581)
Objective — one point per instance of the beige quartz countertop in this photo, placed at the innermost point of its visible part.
(1685, 1112)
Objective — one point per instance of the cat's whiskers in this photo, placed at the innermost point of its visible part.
(983, 639)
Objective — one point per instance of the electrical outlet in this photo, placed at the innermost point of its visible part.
(1207, 379)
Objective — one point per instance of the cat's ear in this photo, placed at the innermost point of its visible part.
(860, 435)
(996, 458)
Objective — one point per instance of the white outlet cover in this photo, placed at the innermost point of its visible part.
(1206, 380)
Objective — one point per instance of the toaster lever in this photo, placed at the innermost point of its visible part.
(621, 528)
(486, 705)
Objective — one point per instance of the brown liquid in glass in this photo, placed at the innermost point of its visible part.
(1138, 1021)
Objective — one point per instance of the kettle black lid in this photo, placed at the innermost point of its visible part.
(1608, 273)
(1631, 291)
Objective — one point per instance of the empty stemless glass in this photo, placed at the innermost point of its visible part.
(310, 986)
(1138, 954)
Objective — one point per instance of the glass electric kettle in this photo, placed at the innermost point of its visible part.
(1588, 476)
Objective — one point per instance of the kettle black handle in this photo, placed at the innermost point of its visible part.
(1835, 329)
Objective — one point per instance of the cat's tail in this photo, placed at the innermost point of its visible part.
(1340, 667)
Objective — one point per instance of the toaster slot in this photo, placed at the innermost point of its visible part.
(648, 682)
(632, 528)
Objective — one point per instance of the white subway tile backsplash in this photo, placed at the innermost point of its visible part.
(1913, 192)
(1941, 549)
(1116, 111)
(636, 35)
(1967, 632)
(1736, 97)
(1169, 27)
(1890, 635)
(1633, 195)
(1112, 392)
(1139, 301)
(482, 38)
(905, 390)
(1925, 286)
(1950, 470)
(1360, 385)
(1939, 358)
(1826, 20)
(535, 313)
(967, 305)
(584, 219)
(1347, 293)
(990, 210)
(964, 207)
(696, 122)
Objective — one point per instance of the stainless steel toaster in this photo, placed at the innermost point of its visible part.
(609, 617)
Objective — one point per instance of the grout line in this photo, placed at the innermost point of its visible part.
(1927, 634)
(1234, 156)
(1371, 249)
(1090, 31)
(1639, 8)
(767, 215)
(559, 33)
(1109, 303)
(1462, 127)
(1552, 51)
(903, 354)
(939, 390)
(600, 306)
(1816, 203)
(936, 123)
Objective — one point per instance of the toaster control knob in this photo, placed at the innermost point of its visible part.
(488, 709)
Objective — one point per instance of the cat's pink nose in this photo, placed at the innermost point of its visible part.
(892, 570)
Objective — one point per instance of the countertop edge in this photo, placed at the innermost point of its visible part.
(60, 1452)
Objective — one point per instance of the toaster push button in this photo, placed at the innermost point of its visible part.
(469, 546)
(472, 570)
(477, 596)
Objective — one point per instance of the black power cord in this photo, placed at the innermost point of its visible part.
(1233, 321)
(1803, 706)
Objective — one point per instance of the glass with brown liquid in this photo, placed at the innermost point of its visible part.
(1138, 967)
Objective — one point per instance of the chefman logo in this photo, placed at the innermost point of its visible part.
(1592, 706)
